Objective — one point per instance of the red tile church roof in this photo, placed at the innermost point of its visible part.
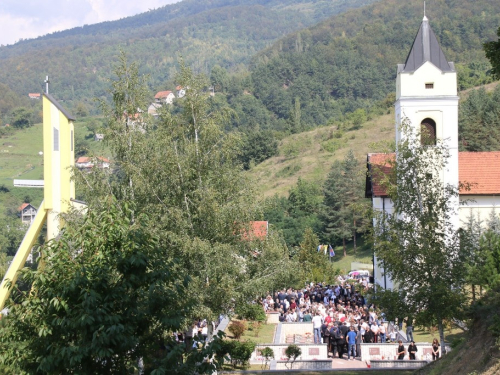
(478, 173)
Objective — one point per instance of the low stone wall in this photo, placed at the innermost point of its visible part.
(324, 364)
(273, 317)
(375, 364)
(293, 329)
(370, 352)
(309, 352)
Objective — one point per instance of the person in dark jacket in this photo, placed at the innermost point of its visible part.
(340, 340)
(344, 329)
(334, 333)
(401, 350)
(412, 350)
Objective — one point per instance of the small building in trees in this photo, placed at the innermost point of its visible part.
(427, 99)
(86, 162)
(27, 213)
(166, 97)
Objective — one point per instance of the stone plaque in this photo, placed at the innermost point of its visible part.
(313, 351)
(374, 351)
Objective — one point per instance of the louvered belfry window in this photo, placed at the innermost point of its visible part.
(428, 132)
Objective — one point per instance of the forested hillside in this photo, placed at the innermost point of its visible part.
(225, 32)
(317, 75)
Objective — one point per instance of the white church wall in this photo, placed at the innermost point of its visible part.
(380, 205)
(480, 206)
(414, 84)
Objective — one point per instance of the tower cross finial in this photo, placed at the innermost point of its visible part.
(47, 84)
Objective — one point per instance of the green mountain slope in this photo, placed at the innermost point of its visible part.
(310, 155)
(349, 61)
(204, 32)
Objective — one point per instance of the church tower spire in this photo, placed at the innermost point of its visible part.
(426, 96)
(426, 48)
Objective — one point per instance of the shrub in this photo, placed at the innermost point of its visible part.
(267, 354)
(251, 311)
(237, 328)
(256, 326)
(292, 352)
(240, 352)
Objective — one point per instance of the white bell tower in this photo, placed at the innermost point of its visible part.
(426, 95)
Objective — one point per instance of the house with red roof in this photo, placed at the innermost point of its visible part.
(27, 213)
(35, 96)
(427, 98)
(86, 162)
(163, 97)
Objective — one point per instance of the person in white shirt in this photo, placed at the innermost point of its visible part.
(375, 331)
(381, 329)
(317, 322)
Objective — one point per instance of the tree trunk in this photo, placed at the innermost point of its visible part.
(473, 293)
(343, 244)
(354, 236)
(441, 336)
(480, 291)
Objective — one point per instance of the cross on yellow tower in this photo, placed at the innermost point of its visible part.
(59, 188)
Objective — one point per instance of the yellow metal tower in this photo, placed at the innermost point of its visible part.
(59, 188)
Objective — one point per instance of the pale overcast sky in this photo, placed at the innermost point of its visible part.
(31, 18)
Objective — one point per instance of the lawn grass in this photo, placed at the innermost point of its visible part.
(266, 334)
(310, 155)
(421, 334)
(363, 254)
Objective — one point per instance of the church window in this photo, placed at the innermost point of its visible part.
(429, 85)
(428, 132)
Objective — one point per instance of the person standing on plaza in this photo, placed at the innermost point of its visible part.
(340, 340)
(359, 340)
(351, 343)
(334, 333)
(401, 350)
(381, 332)
(317, 322)
(409, 329)
(412, 350)
(375, 330)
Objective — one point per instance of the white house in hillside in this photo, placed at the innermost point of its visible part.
(427, 95)
(162, 97)
(27, 213)
(86, 162)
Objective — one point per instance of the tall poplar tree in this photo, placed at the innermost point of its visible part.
(418, 242)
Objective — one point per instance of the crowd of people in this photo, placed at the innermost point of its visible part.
(340, 316)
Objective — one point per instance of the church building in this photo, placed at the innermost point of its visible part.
(427, 96)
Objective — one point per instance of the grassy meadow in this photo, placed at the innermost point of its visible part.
(309, 155)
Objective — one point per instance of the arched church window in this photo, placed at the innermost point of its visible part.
(428, 132)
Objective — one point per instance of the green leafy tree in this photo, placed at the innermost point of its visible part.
(479, 121)
(344, 207)
(334, 214)
(419, 243)
(182, 172)
(105, 297)
(21, 118)
(292, 352)
(257, 146)
(492, 50)
(219, 79)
